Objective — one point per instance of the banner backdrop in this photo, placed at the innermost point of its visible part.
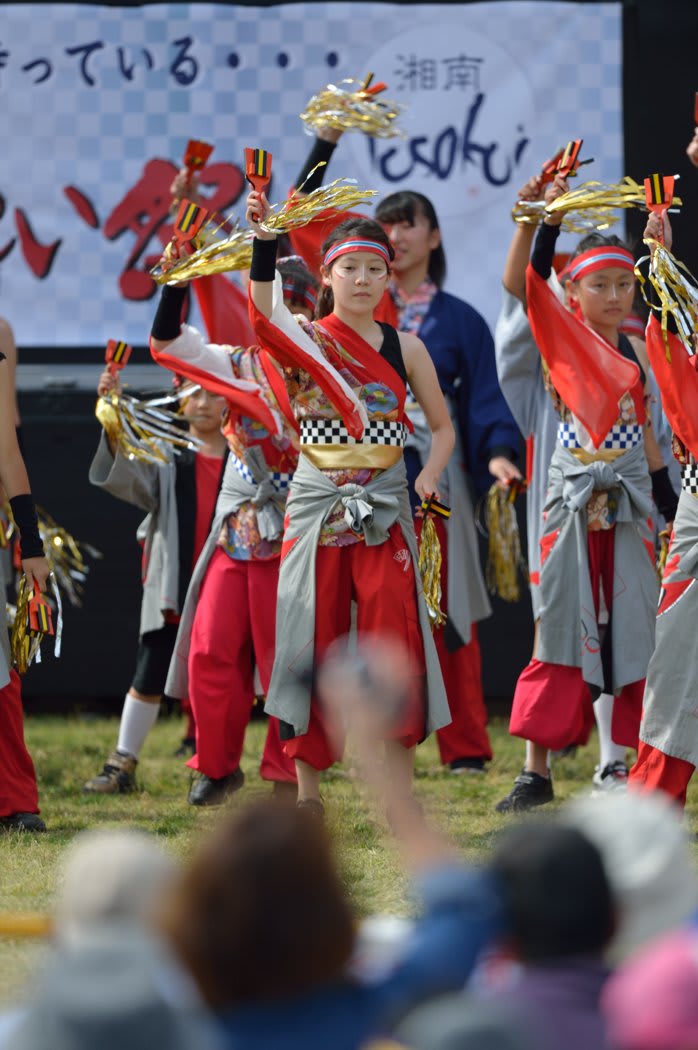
(99, 102)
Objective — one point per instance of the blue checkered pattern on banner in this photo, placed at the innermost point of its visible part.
(620, 437)
(90, 93)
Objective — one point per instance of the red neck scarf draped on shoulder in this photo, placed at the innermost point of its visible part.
(589, 374)
(367, 364)
(676, 373)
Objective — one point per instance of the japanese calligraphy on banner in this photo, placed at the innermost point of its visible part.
(99, 102)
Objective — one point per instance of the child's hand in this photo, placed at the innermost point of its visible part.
(504, 471)
(658, 229)
(692, 149)
(427, 484)
(532, 190)
(258, 208)
(185, 184)
(108, 383)
(556, 189)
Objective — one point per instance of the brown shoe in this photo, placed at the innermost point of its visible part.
(118, 776)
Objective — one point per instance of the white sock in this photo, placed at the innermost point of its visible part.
(137, 719)
(603, 713)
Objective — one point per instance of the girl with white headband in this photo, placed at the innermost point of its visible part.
(349, 532)
(598, 583)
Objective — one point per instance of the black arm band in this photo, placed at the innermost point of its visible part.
(321, 151)
(663, 493)
(263, 266)
(24, 513)
(544, 250)
(502, 450)
(167, 324)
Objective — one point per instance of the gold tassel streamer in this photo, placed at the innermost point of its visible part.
(233, 252)
(664, 540)
(677, 291)
(24, 645)
(7, 525)
(504, 557)
(531, 213)
(351, 105)
(340, 195)
(66, 557)
(593, 195)
(141, 430)
(430, 569)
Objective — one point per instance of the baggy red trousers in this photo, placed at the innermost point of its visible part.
(235, 621)
(551, 701)
(655, 771)
(466, 736)
(18, 790)
(381, 581)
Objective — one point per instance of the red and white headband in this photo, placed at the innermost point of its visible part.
(605, 257)
(345, 247)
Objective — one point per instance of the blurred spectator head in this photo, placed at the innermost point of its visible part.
(646, 856)
(110, 877)
(557, 898)
(455, 1022)
(651, 1002)
(109, 995)
(261, 912)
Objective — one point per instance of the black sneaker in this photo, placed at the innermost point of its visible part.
(206, 791)
(118, 776)
(461, 766)
(529, 790)
(186, 748)
(22, 822)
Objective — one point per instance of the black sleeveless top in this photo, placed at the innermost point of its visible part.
(626, 348)
(392, 351)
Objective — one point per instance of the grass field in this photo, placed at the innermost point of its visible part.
(68, 751)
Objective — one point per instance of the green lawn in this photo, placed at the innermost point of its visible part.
(68, 751)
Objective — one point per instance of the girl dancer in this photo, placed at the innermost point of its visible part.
(349, 531)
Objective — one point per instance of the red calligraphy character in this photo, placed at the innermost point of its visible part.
(39, 256)
(145, 212)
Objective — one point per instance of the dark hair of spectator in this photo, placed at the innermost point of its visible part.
(366, 229)
(261, 913)
(406, 206)
(300, 285)
(556, 895)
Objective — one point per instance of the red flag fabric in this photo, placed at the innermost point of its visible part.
(589, 374)
(678, 383)
(223, 306)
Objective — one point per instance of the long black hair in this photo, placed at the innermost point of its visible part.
(405, 206)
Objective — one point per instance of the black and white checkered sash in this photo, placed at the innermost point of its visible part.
(333, 432)
(689, 477)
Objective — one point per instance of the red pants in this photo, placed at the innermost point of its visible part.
(466, 736)
(381, 581)
(655, 771)
(235, 620)
(551, 701)
(18, 790)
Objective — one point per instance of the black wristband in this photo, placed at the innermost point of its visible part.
(167, 324)
(263, 266)
(663, 493)
(24, 513)
(321, 151)
(544, 250)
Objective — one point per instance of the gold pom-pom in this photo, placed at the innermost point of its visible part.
(354, 105)
(141, 430)
(677, 291)
(505, 561)
(430, 568)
